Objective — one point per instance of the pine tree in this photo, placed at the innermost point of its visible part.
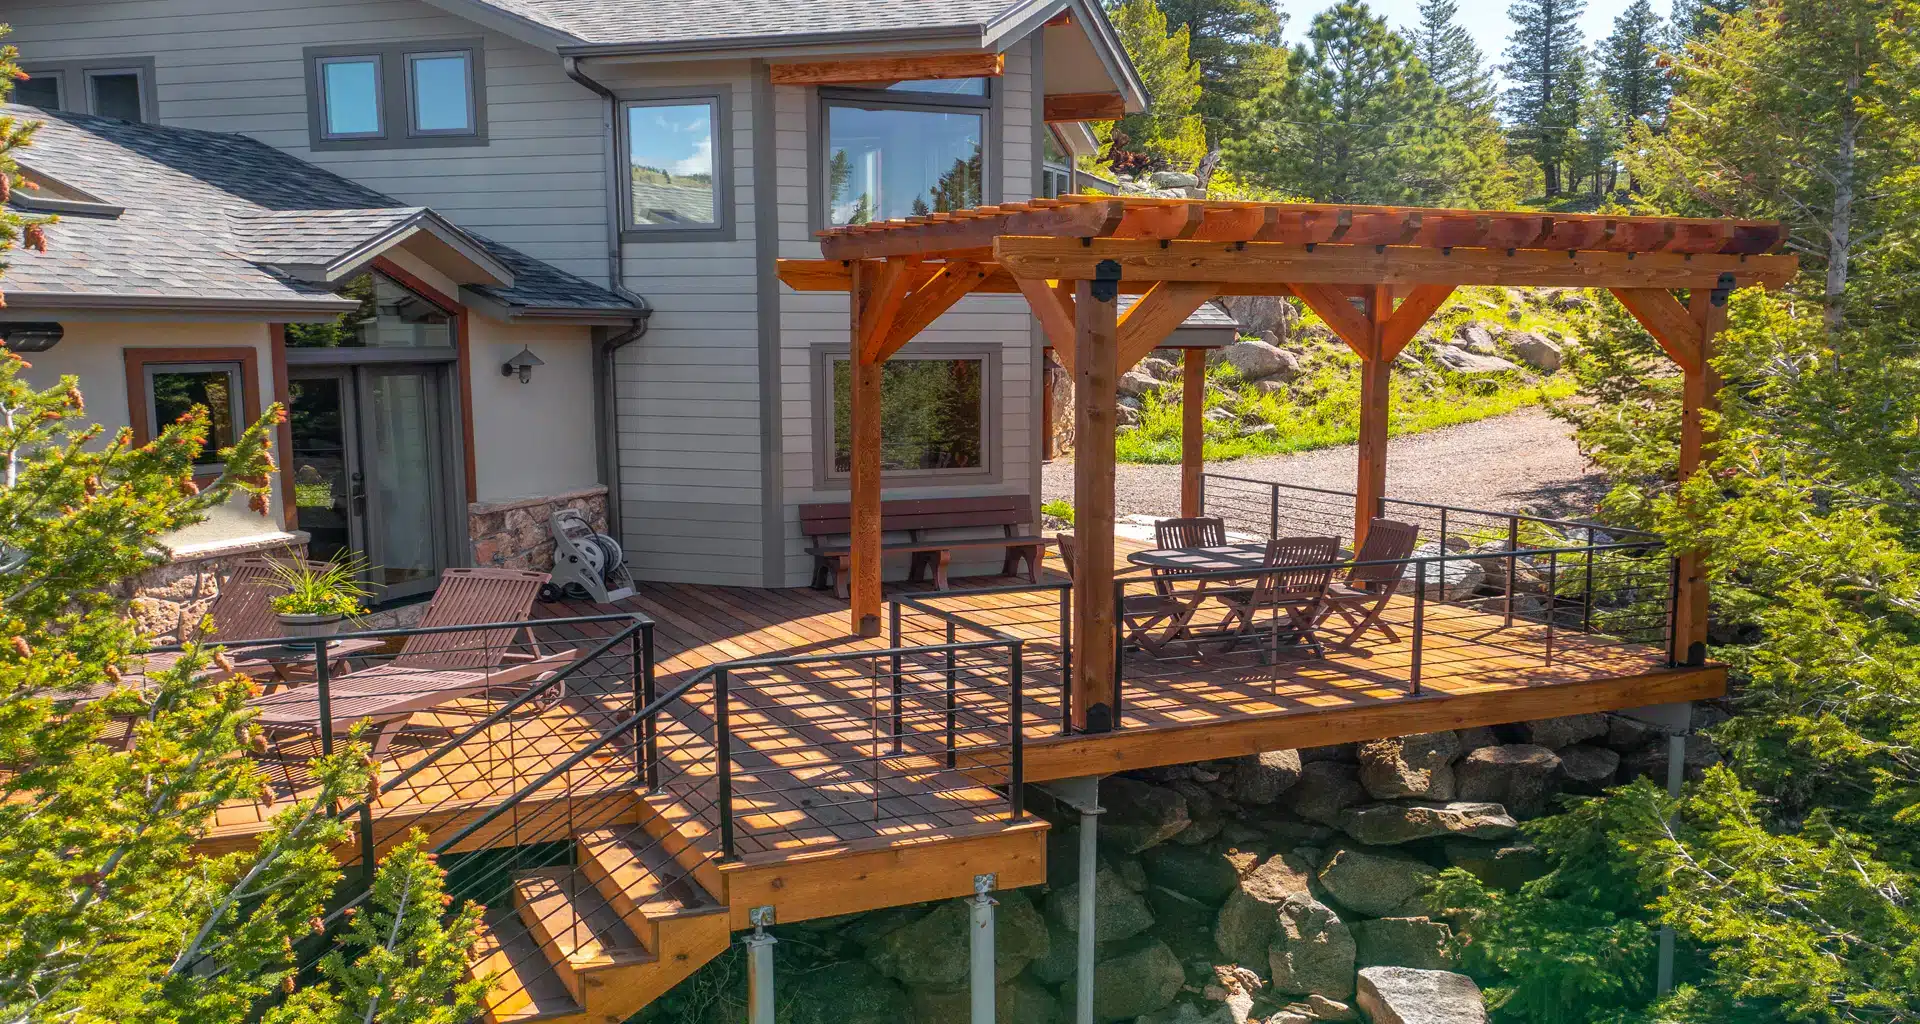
(1630, 69)
(1694, 20)
(1238, 47)
(1169, 133)
(1354, 121)
(1596, 142)
(1452, 60)
(1544, 65)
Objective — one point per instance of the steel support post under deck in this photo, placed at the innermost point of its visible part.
(1676, 720)
(1083, 795)
(980, 948)
(760, 967)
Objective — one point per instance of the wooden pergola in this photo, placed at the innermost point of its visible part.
(1373, 274)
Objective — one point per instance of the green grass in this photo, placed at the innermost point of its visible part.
(1322, 409)
(1058, 508)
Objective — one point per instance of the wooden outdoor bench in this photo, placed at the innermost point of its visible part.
(916, 518)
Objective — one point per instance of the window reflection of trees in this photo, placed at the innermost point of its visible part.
(931, 415)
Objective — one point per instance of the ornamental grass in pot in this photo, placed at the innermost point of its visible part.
(317, 596)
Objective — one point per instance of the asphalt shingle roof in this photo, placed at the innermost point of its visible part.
(212, 216)
(623, 21)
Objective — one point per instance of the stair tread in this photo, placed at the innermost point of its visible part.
(647, 873)
(569, 916)
(526, 986)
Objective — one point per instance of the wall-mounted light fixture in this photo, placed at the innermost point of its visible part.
(522, 363)
(31, 336)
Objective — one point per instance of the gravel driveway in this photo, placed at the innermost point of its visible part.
(1524, 460)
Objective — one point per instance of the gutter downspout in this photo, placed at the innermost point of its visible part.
(607, 442)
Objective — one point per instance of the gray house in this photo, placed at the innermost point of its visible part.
(504, 255)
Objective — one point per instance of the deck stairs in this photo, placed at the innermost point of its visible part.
(592, 943)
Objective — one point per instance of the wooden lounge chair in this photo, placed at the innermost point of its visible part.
(1364, 594)
(433, 669)
(1293, 580)
(1140, 614)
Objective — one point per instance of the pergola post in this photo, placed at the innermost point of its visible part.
(1193, 438)
(865, 471)
(1700, 393)
(1376, 377)
(1096, 374)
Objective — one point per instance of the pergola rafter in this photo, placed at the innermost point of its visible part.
(1375, 275)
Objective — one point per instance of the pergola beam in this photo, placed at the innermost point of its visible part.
(948, 285)
(1410, 315)
(1333, 307)
(1230, 266)
(1670, 323)
(1053, 306)
(1095, 418)
(1148, 321)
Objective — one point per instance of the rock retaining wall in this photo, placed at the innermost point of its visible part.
(515, 534)
(168, 597)
(1282, 888)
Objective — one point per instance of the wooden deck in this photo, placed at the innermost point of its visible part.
(814, 768)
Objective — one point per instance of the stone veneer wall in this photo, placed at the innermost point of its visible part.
(515, 534)
(165, 597)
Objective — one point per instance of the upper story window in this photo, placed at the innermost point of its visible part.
(117, 87)
(1056, 166)
(907, 150)
(390, 316)
(396, 96)
(678, 167)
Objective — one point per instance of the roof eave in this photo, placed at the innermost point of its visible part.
(507, 23)
(1030, 15)
(29, 305)
(586, 316)
(971, 36)
(426, 222)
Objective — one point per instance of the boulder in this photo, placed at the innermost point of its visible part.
(1420, 765)
(1405, 995)
(1570, 299)
(1257, 360)
(1626, 733)
(1587, 768)
(1325, 790)
(1377, 883)
(1061, 959)
(931, 953)
(1651, 761)
(1390, 824)
(1246, 923)
(1261, 778)
(1118, 911)
(1312, 951)
(1348, 752)
(1519, 776)
(1173, 179)
(1260, 314)
(1134, 382)
(1187, 1013)
(1319, 1007)
(1477, 737)
(1132, 978)
(1159, 369)
(845, 992)
(1177, 915)
(1536, 351)
(1204, 810)
(1475, 338)
(1501, 864)
(1459, 360)
(1127, 416)
(1139, 815)
(1565, 731)
(1203, 873)
(1404, 942)
(1016, 999)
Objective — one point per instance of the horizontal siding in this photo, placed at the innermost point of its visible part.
(539, 184)
(688, 392)
(809, 319)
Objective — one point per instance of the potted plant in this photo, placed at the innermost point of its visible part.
(317, 596)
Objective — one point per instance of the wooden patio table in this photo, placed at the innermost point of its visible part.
(1222, 558)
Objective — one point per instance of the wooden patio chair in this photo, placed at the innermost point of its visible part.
(1140, 614)
(1196, 532)
(1293, 580)
(433, 669)
(1364, 594)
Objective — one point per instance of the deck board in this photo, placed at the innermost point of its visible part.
(814, 766)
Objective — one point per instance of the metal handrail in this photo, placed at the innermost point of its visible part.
(1438, 507)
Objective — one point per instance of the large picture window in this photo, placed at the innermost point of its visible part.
(907, 151)
(934, 414)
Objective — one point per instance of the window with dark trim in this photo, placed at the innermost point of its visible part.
(1056, 166)
(673, 169)
(397, 95)
(935, 413)
(164, 384)
(116, 87)
(906, 150)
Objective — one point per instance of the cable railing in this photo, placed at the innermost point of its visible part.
(1040, 615)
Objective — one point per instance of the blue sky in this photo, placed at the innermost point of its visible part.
(1485, 19)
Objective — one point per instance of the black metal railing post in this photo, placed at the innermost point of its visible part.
(953, 682)
(893, 664)
(1553, 579)
(1066, 659)
(1513, 561)
(1273, 514)
(1119, 650)
(647, 739)
(1201, 497)
(1586, 597)
(323, 692)
(1443, 541)
(723, 757)
(1016, 738)
(1674, 656)
(1420, 613)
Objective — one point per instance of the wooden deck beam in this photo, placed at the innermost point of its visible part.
(1233, 265)
(889, 69)
(1052, 305)
(1670, 323)
(1148, 321)
(1085, 106)
(1193, 429)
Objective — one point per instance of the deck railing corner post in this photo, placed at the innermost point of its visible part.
(1016, 741)
(323, 693)
(1420, 613)
(1513, 563)
(723, 758)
